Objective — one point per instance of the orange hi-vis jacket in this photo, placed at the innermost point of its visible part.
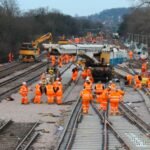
(49, 90)
(24, 90)
(129, 77)
(130, 54)
(89, 72)
(86, 95)
(84, 73)
(74, 75)
(121, 92)
(38, 90)
(114, 97)
(99, 88)
(59, 91)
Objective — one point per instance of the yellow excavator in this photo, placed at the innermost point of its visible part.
(29, 52)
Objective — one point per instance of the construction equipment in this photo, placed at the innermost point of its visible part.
(29, 52)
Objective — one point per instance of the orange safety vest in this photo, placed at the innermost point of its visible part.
(129, 77)
(37, 90)
(86, 95)
(114, 97)
(98, 88)
(148, 84)
(24, 90)
(49, 89)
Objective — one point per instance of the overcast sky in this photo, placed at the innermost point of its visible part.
(74, 7)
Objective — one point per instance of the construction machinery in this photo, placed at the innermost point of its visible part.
(29, 52)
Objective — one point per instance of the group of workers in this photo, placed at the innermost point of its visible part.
(100, 94)
(53, 91)
(60, 60)
(136, 81)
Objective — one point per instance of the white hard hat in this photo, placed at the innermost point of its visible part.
(57, 79)
(24, 83)
(40, 82)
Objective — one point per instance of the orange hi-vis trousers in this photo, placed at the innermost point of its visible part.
(24, 100)
(50, 99)
(85, 106)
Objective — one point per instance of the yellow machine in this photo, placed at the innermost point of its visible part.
(29, 52)
(63, 41)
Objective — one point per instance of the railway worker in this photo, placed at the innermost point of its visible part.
(74, 74)
(53, 60)
(144, 67)
(115, 98)
(89, 71)
(43, 81)
(50, 93)
(88, 85)
(86, 96)
(104, 100)
(148, 84)
(51, 74)
(58, 89)
(84, 74)
(38, 93)
(137, 83)
(112, 85)
(129, 78)
(10, 57)
(99, 88)
(60, 61)
(130, 53)
(24, 93)
(121, 93)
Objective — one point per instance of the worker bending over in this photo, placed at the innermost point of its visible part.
(86, 96)
(129, 78)
(24, 93)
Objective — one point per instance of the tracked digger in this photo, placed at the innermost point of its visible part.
(29, 52)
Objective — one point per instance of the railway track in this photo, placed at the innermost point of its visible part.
(14, 68)
(17, 136)
(12, 83)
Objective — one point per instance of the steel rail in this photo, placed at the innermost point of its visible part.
(19, 146)
(5, 125)
(67, 133)
(109, 124)
(134, 118)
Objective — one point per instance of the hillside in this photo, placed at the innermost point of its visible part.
(111, 18)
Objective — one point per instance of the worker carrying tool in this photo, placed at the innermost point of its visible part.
(10, 57)
(129, 78)
(24, 93)
(114, 98)
(58, 89)
(86, 96)
(38, 93)
(50, 93)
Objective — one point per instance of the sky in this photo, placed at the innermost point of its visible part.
(74, 7)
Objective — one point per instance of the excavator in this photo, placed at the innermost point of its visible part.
(29, 52)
